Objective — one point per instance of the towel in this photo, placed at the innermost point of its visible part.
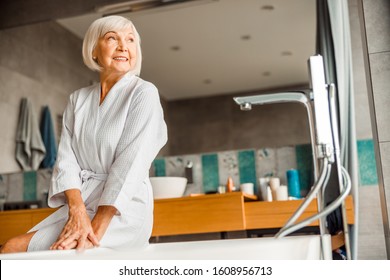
(30, 149)
(48, 138)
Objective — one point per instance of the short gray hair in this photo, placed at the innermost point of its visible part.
(97, 30)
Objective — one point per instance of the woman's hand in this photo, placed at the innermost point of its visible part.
(77, 232)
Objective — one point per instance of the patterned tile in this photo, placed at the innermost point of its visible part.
(210, 172)
(4, 187)
(43, 184)
(285, 159)
(174, 166)
(30, 185)
(247, 167)
(304, 158)
(265, 162)
(228, 167)
(159, 167)
(367, 164)
(265, 166)
(15, 187)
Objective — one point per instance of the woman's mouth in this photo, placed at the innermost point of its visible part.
(121, 58)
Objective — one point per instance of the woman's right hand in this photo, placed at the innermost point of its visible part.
(77, 232)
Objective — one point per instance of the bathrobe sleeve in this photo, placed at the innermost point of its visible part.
(145, 133)
(66, 172)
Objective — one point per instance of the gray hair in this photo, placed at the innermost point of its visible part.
(97, 30)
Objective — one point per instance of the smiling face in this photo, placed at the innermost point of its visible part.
(116, 52)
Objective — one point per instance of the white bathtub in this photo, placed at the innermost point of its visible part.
(306, 247)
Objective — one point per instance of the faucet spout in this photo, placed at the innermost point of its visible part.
(246, 102)
(246, 106)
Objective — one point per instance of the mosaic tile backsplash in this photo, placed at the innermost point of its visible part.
(244, 166)
(26, 186)
(213, 169)
(209, 170)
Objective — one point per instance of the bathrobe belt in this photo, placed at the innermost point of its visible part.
(85, 175)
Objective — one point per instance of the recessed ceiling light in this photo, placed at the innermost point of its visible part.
(286, 53)
(267, 7)
(175, 48)
(246, 37)
(266, 73)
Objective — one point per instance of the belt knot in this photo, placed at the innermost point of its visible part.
(85, 175)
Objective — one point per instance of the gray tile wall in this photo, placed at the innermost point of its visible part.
(371, 236)
(375, 17)
(217, 124)
(42, 62)
(362, 110)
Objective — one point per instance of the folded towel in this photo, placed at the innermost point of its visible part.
(48, 138)
(30, 149)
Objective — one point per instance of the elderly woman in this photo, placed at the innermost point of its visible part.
(112, 131)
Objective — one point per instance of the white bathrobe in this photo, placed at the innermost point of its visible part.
(106, 151)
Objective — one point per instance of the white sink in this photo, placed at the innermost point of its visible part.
(168, 187)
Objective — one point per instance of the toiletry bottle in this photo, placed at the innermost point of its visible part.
(229, 185)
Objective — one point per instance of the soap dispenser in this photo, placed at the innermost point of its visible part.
(189, 172)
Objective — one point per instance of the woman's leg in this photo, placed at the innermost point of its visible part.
(17, 244)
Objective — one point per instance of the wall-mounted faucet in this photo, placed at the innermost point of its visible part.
(246, 103)
(320, 106)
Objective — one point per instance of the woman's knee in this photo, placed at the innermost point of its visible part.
(11, 246)
(17, 244)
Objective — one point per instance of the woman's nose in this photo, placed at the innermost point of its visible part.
(122, 45)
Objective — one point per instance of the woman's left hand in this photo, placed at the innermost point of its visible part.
(78, 231)
(98, 225)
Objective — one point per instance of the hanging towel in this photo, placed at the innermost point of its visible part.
(48, 138)
(30, 150)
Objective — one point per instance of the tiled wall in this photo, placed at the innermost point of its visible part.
(209, 170)
(213, 169)
(42, 62)
(375, 16)
(26, 186)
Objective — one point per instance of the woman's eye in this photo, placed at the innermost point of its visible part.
(131, 40)
(109, 37)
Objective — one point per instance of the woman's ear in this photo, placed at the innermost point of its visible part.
(94, 55)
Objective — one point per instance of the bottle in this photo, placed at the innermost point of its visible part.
(293, 184)
(229, 185)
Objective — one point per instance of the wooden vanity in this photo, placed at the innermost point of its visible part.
(190, 215)
(227, 212)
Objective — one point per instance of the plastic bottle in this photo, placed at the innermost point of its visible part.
(229, 185)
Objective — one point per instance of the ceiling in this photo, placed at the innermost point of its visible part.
(207, 47)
